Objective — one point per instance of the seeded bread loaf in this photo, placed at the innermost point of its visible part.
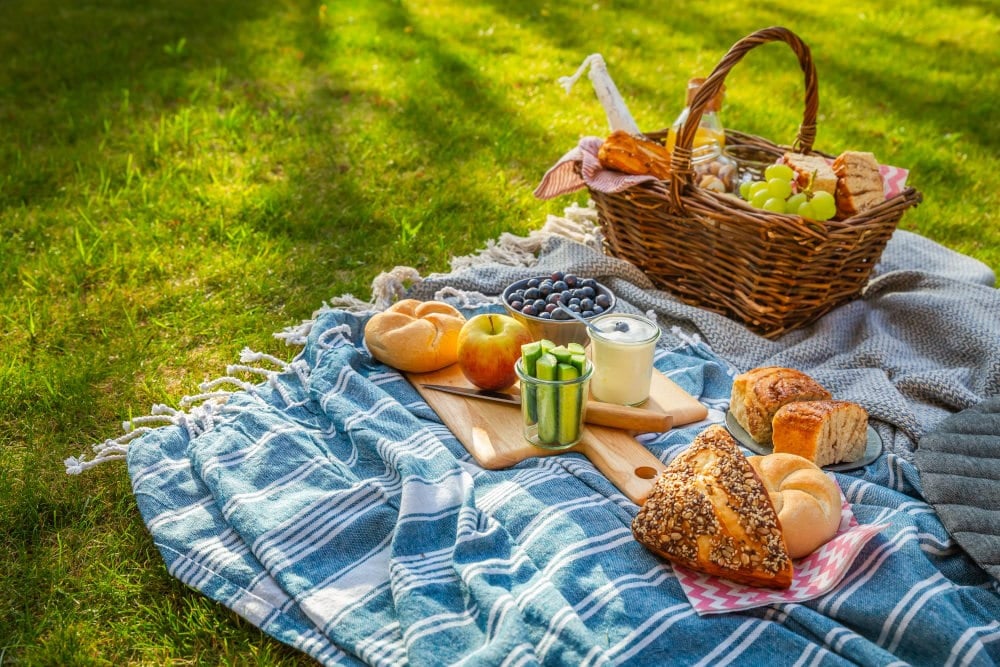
(859, 183)
(806, 499)
(758, 394)
(825, 432)
(709, 511)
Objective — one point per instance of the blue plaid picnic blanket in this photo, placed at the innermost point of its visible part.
(329, 506)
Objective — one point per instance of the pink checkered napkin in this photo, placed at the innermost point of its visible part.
(815, 575)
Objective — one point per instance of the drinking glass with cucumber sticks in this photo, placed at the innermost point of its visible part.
(555, 382)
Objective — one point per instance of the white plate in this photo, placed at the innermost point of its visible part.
(872, 449)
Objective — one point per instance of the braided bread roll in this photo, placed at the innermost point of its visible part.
(806, 498)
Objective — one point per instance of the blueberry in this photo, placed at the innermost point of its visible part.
(588, 313)
(529, 310)
(545, 289)
(539, 305)
(598, 310)
(603, 300)
(588, 292)
(545, 316)
(532, 293)
(517, 305)
(560, 286)
(571, 280)
(557, 275)
(586, 304)
(533, 282)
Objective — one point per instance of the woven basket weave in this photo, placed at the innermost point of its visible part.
(772, 272)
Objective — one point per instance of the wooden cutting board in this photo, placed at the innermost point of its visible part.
(492, 432)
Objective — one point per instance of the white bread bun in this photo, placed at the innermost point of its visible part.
(806, 498)
(415, 336)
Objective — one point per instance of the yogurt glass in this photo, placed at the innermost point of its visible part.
(622, 349)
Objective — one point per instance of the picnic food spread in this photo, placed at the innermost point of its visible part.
(416, 336)
(710, 511)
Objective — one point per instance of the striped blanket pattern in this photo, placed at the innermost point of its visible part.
(330, 507)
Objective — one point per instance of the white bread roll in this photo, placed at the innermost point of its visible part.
(825, 432)
(758, 394)
(709, 511)
(415, 336)
(806, 498)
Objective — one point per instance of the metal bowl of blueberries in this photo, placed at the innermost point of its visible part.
(535, 303)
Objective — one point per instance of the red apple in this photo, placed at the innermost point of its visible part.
(488, 346)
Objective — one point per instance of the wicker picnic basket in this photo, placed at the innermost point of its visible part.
(772, 272)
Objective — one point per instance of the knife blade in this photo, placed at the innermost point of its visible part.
(598, 413)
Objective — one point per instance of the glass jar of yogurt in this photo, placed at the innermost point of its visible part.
(622, 347)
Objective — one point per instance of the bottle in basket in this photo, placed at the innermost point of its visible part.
(716, 170)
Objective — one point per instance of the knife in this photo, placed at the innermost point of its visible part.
(599, 413)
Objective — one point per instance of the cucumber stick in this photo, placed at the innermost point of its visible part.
(530, 353)
(570, 403)
(547, 399)
(561, 353)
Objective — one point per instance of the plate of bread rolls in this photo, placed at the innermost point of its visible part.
(775, 409)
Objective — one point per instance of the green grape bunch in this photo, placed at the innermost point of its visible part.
(777, 195)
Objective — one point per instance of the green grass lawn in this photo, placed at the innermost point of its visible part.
(180, 179)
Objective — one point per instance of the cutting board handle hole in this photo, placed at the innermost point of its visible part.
(645, 472)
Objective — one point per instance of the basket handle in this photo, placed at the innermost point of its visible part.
(680, 162)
